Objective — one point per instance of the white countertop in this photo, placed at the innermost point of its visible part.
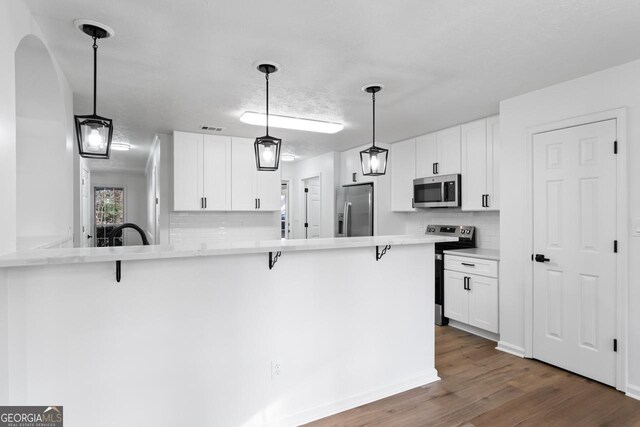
(493, 254)
(128, 253)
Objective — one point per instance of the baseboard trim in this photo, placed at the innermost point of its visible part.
(510, 348)
(633, 391)
(473, 330)
(357, 400)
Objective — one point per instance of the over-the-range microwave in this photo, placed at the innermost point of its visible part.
(440, 191)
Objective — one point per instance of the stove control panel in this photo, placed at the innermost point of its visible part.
(460, 231)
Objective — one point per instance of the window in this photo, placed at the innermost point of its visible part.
(109, 213)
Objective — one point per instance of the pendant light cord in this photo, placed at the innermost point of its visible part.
(95, 71)
(266, 76)
(373, 97)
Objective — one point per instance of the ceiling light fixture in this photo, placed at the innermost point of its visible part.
(287, 122)
(94, 132)
(120, 146)
(267, 147)
(374, 159)
(288, 157)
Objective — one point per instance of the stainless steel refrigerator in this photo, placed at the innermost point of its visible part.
(354, 205)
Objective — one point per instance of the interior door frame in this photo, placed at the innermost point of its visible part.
(622, 289)
(304, 200)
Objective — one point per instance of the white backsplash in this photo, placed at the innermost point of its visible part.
(487, 223)
(212, 227)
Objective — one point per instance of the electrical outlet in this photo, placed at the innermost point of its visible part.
(276, 369)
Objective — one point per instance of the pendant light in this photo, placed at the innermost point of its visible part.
(267, 147)
(374, 159)
(94, 132)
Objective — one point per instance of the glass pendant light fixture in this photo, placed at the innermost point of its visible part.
(374, 159)
(94, 132)
(267, 147)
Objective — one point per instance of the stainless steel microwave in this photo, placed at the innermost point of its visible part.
(440, 191)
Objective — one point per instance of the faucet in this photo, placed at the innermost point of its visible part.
(113, 233)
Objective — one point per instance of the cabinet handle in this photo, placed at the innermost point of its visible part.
(201, 203)
(205, 203)
(258, 203)
(434, 169)
(255, 203)
(438, 168)
(464, 283)
(413, 203)
(486, 200)
(468, 264)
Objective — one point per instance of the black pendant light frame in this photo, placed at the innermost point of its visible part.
(94, 121)
(267, 141)
(380, 154)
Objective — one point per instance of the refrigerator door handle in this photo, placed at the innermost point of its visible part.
(347, 219)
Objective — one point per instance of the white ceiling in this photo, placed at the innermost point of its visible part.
(181, 64)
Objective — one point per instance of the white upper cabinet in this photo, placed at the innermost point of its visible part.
(480, 165)
(350, 164)
(186, 196)
(201, 172)
(252, 189)
(402, 167)
(448, 151)
(426, 155)
(438, 153)
(216, 172)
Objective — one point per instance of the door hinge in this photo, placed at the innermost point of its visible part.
(306, 190)
(615, 344)
(531, 257)
(615, 147)
(615, 246)
(306, 225)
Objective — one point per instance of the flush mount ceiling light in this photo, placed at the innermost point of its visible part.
(374, 159)
(288, 157)
(267, 147)
(287, 122)
(94, 132)
(120, 146)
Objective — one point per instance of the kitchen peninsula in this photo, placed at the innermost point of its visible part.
(215, 334)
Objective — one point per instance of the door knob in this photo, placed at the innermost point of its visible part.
(89, 236)
(541, 258)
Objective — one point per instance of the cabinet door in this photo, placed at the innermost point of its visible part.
(186, 179)
(474, 165)
(216, 172)
(268, 184)
(243, 175)
(403, 171)
(483, 303)
(350, 164)
(456, 300)
(493, 162)
(426, 155)
(448, 151)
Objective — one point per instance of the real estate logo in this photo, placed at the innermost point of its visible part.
(31, 416)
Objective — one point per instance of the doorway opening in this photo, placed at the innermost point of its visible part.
(285, 220)
(312, 205)
(109, 212)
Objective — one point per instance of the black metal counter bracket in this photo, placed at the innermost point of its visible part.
(379, 254)
(118, 271)
(273, 259)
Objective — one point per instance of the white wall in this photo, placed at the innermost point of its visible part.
(607, 90)
(487, 223)
(16, 22)
(135, 193)
(323, 165)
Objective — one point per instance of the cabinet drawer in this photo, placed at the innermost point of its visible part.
(483, 267)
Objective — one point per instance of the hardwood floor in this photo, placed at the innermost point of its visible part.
(484, 387)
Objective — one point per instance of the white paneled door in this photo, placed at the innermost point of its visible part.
(574, 277)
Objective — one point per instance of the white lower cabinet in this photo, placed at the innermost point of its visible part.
(472, 298)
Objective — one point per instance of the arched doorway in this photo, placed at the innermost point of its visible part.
(44, 186)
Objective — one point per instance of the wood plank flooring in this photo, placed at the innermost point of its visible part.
(484, 387)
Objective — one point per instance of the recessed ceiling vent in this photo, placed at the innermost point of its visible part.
(212, 128)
